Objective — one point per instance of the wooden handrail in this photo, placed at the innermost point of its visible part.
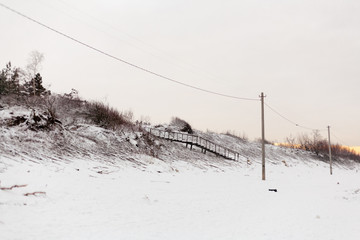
(201, 142)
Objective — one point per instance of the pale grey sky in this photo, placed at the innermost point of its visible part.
(303, 54)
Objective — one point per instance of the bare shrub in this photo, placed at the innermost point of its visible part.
(315, 144)
(242, 137)
(290, 142)
(71, 107)
(105, 116)
(345, 152)
(128, 115)
(12, 100)
(145, 119)
(304, 142)
(50, 105)
(152, 148)
(320, 146)
(267, 142)
(182, 125)
(74, 94)
(34, 102)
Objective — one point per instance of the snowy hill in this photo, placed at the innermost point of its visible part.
(74, 180)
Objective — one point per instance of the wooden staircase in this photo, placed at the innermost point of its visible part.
(193, 140)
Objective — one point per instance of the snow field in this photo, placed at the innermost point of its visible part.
(89, 200)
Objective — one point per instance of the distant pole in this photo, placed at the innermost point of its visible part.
(263, 135)
(330, 150)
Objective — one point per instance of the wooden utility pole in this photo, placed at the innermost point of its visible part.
(330, 151)
(263, 135)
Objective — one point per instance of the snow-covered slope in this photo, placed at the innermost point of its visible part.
(79, 181)
(85, 199)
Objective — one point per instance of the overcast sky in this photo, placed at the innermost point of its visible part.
(303, 54)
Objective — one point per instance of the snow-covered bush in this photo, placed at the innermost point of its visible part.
(182, 125)
(105, 116)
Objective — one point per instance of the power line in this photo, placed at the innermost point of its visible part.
(340, 140)
(163, 54)
(308, 128)
(124, 61)
(290, 121)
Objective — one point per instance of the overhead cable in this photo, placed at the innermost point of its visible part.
(340, 140)
(290, 121)
(124, 61)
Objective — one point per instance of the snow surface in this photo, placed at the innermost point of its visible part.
(90, 200)
(85, 182)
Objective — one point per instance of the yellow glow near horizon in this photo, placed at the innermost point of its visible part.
(356, 148)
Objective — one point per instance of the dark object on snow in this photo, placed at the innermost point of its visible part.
(17, 121)
(182, 125)
(43, 121)
(273, 190)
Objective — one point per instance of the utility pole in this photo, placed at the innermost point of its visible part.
(330, 150)
(263, 135)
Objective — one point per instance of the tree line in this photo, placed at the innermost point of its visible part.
(23, 82)
(320, 146)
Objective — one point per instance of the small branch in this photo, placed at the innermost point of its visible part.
(14, 186)
(35, 193)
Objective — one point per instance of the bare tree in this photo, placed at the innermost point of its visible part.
(320, 146)
(317, 142)
(304, 141)
(34, 65)
(291, 141)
